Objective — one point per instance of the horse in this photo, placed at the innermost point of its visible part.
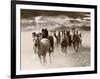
(45, 34)
(55, 39)
(63, 32)
(75, 41)
(69, 38)
(34, 35)
(58, 37)
(43, 46)
(80, 39)
(51, 42)
(64, 43)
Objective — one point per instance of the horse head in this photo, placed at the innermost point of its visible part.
(37, 40)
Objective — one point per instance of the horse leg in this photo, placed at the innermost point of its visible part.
(44, 59)
(77, 46)
(50, 57)
(62, 48)
(39, 57)
(52, 48)
(74, 46)
(34, 49)
(66, 48)
(70, 44)
(76, 49)
(80, 43)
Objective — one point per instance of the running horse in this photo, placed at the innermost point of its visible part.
(58, 38)
(76, 41)
(69, 38)
(80, 41)
(64, 43)
(34, 35)
(44, 46)
(55, 39)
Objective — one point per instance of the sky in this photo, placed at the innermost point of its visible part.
(48, 18)
(27, 13)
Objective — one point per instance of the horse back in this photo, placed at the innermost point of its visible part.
(45, 42)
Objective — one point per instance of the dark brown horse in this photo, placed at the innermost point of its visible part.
(69, 38)
(64, 43)
(58, 38)
(80, 39)
(51, 42)
(76, 41)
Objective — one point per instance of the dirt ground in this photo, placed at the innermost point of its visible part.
(70, 58)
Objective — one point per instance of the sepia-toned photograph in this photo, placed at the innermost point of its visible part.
(52, 39)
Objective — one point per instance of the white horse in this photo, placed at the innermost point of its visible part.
(43, 47)
(55, 41)
(34, 40)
